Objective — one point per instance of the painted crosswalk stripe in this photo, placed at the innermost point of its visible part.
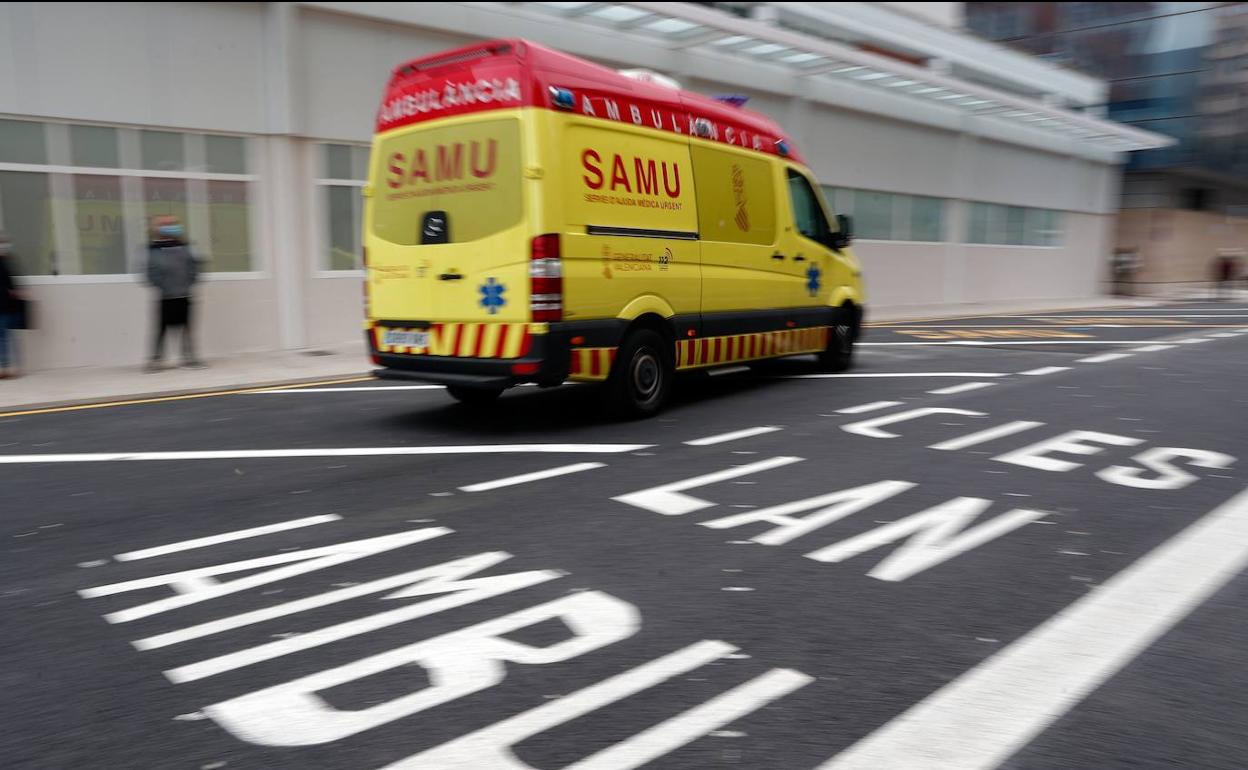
(871, 407)
(1046, 370)
(733, 436)
(1151, 348)
(963, 388)
(525, 478)
(269, 454)
(1027, 686)
(226, 537)
(1103, 358)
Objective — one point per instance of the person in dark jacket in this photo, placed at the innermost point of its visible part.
(10, 307)
(173, 271)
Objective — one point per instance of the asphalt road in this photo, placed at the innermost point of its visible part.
(1011, 541)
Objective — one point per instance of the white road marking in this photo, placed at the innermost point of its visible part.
(243, 454)
(1223, 335)
(733, 436)
(1194, 341)
(358, 389)
(1151, 348)
(1046, 370)
(983, 436)
(871, 407)
(1016, 694)
(670, 500)
(525, 478)
(1103, 358)
(226, 537)
(882, 375)
(963, 388)
(988, 343)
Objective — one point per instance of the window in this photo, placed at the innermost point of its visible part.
(80, 196)
(343, 171)
(873, 214)
(890, 216)
(744, 208)
(807, 213)
(991, 223)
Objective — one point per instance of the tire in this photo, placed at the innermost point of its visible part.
(641, 378)
(474, 396)
(839, 355)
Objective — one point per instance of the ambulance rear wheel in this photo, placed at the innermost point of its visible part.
(474, 396)
(839, 355)
(641, 377)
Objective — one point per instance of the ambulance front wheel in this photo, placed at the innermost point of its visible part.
(839, 355)
(474, 396)
(641, 377)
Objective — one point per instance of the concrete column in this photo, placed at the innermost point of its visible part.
(957, 216)
(283, 181)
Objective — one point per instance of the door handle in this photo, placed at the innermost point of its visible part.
(450, 277)
(777, 255)
(799, 258)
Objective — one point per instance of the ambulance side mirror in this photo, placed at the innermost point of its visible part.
(844, 233)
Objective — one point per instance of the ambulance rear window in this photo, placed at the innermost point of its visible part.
(466, 176)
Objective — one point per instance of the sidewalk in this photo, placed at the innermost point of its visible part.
(63, 387)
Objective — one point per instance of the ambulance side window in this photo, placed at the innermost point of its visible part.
(807, 213)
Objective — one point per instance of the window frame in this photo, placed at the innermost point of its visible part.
(321, 183)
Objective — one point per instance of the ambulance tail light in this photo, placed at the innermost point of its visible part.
(545, 279)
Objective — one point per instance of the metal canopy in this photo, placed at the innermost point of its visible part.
(690, 26)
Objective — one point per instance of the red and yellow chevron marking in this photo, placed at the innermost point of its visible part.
(591, 364)
(465, 340)
(713, 351)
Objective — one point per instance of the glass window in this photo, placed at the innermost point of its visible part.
(100, 219)
(977, 224)
(344, 227)
(338, 161)
(873, 214)
(165, 197)
(807, 213)
(745, 212)
(26, 214)
(161, 150)
(359, 163)
(225, 154)
(927, 217)
(229, 225)
(93, 146)
(22, 141)
(1015, 227)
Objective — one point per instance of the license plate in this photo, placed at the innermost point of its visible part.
(406, 339)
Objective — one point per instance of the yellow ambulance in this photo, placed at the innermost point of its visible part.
(534, 217)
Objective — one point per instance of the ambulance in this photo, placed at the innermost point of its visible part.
(532, 217)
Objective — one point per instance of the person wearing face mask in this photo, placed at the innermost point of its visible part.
(173, 271)
(11, 302)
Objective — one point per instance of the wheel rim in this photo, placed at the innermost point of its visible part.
(645, 376)
(844, 338)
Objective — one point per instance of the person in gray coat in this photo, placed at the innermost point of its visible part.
(173, 271)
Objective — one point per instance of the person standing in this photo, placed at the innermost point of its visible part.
(173, 271)
(11, 306)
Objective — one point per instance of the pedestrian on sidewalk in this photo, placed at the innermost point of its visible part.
(173, 271)
(12, 306)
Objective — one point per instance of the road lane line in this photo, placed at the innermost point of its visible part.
(733, 436)
(524, 478)
(1103, 358)
(1150, 348)
(1000, 431)
(980, 719)
(287, 391)
(868, 375)
(226, 537)
(963, 388)
(1046, 370)
(1194, 341)
(1223, 335)
(989, 343)
(670, 500)
(267, 454)
(871, 407)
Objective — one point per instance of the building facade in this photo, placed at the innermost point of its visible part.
(1179, 69)
(973, 172)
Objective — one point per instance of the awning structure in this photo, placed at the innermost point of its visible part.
(691, 26)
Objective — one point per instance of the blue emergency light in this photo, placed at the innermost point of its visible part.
(562, 98)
